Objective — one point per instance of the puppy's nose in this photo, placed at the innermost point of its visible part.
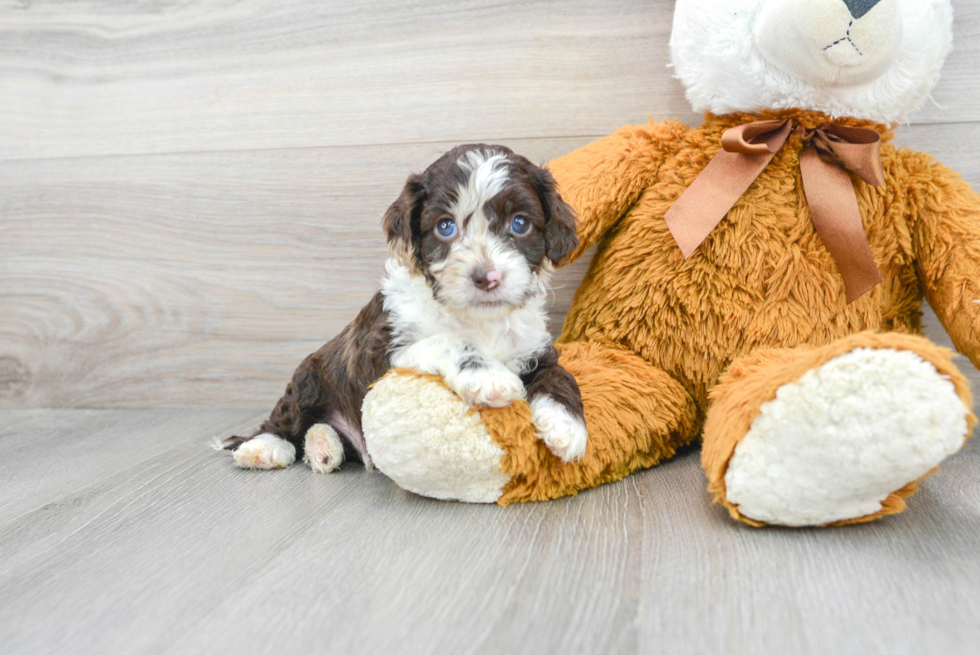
(486, 280)
(859, 8)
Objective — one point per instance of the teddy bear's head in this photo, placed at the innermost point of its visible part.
(870, 59)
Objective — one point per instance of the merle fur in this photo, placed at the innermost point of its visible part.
(550, 378)
(333, 381)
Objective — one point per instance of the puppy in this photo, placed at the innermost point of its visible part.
(473, 241)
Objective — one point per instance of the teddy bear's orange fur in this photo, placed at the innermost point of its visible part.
(667, 350)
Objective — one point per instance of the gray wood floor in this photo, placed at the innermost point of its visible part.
(121, 532)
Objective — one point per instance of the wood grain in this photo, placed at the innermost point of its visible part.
(193, 279)
(203, 279)
(107, 78)
(95, 78)
(170, 549)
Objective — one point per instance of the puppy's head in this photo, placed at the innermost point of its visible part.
(483, 226)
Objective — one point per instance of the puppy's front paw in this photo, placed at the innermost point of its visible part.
(487, 387)
(563, 432)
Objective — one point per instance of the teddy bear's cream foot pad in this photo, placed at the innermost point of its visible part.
(834, 444)
(451, 457)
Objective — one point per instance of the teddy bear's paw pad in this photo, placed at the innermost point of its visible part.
(422, 436)
(487, 387)
(265, 451)
(324, 450)
(563, 432)
(834, 444)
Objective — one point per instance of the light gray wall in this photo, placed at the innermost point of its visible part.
(190, 192)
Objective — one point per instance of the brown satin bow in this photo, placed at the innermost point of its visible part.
(829, 152)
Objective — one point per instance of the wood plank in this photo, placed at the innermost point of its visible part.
(177, 551)
(879, 587)
(121, 78)
(208, 277)
(947, 103)
(55, 453)
(203, 279)
(263, 206)
(105, 78)
(243, 207)
(950, 144)
(89, 333)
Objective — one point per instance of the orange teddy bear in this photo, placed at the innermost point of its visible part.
(772, 307)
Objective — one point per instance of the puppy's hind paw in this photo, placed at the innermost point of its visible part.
(324, 449)
(265, 451)
(487, 387)
(563, 432)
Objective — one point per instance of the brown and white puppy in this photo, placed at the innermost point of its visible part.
(473, 242)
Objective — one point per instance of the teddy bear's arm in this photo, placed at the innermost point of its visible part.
(945, 222)
(603, 179)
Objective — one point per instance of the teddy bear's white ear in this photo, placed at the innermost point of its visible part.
(871, 59)
(707, 39)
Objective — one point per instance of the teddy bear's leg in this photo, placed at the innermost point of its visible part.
(832, 435)
(428, 441)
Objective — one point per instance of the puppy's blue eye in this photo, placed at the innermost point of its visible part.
(520, 225)
(446, 228)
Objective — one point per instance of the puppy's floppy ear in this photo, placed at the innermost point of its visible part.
(398, 221)
(559, 229)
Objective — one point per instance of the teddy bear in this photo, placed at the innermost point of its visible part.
(756, 283)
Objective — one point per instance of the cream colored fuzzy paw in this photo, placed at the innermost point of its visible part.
(834, 444)
(486, 387)
(323, 449)
(422, 436)
(265, 451)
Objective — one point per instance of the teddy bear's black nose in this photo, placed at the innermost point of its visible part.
(859, 8)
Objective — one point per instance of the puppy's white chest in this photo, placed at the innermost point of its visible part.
(416, 316)
(509, 345)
